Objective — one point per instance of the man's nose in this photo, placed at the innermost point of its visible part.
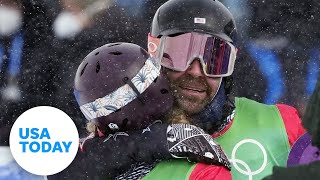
(195, 68)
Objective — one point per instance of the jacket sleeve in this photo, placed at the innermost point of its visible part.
(210, 172)
(107, 157)
(292, 122)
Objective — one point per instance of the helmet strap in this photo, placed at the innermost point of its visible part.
(139, 97)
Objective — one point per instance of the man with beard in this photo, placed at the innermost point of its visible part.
(195, 42)
(130, 94)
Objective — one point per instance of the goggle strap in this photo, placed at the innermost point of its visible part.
(153, 45)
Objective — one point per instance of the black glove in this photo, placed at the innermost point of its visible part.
(191, 142)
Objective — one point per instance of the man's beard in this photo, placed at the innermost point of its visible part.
(191, 104)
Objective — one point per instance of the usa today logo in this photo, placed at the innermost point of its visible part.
(44, 140)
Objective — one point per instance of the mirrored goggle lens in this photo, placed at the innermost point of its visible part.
(217, 56)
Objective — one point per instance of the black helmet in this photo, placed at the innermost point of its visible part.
(119, 85)
(204, 16)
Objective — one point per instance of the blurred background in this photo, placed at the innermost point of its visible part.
(42, 42)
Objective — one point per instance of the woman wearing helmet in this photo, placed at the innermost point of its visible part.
(195, 42)
(119, 87)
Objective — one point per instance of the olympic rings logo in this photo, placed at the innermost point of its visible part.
(248, 171)
(152, 47)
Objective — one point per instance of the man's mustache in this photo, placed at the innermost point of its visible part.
(187, 81)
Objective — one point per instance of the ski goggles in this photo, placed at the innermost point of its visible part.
(216, 56)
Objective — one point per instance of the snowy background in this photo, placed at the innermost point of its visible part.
(278, 41)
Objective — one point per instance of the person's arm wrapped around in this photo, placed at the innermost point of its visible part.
(109, 156)
(112, 155)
